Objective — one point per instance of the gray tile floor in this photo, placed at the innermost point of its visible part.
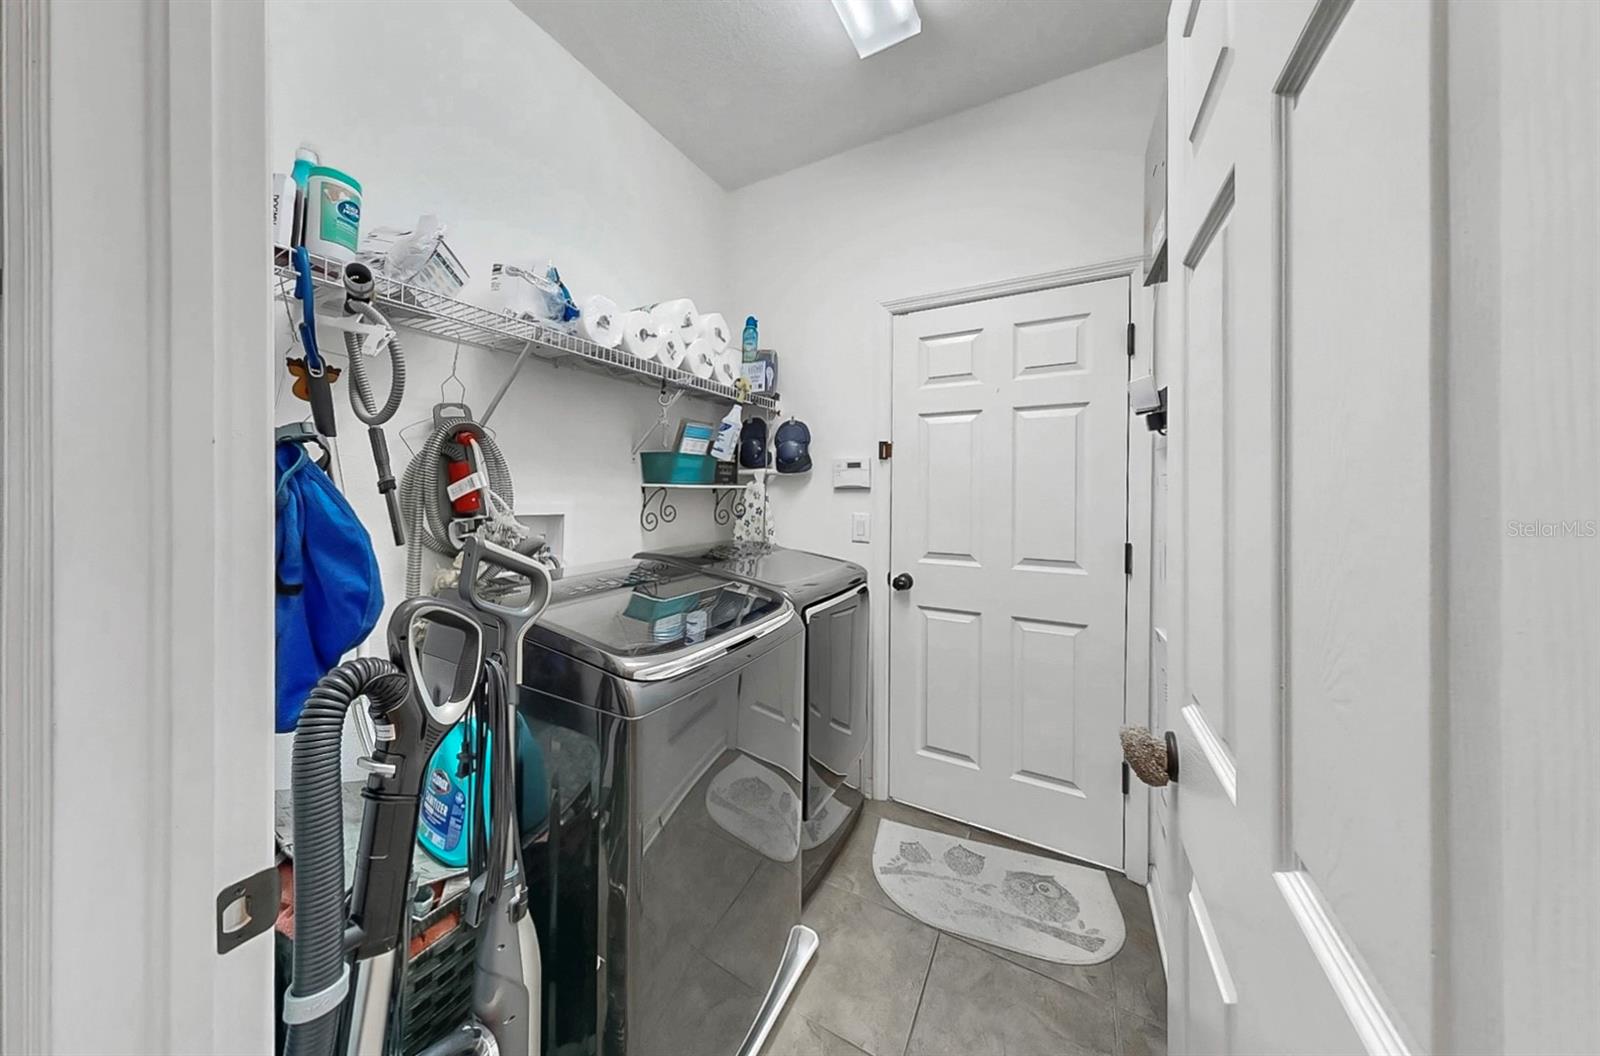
(885, 984)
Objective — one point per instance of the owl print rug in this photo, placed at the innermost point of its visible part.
(1018, 901)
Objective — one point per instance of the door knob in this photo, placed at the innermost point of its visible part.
(1154, 761)
(902, 582)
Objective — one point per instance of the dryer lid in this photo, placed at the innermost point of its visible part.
(804, 577)
(642, 616)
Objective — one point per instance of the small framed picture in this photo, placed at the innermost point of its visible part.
(694, 438)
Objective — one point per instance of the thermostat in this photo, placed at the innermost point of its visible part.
(852, 473)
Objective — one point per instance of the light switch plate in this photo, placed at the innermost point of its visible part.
(860, 527)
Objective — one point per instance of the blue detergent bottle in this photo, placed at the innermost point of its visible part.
(442, 817)
(751, 341)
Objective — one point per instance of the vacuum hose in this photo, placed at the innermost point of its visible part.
(421, 487)
(320, 965)
(358, 286)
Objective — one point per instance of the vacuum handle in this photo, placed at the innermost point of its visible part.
(475, 551)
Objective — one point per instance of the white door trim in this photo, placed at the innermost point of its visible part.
(1136, 822)
(1048, 280)
(25, 541)
(138, 531)
(1136, 699)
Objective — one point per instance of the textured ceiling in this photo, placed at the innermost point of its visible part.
(751, 88)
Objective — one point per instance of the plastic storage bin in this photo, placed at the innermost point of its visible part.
(670, 467)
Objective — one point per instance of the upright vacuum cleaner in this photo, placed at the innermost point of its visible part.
(349, 957)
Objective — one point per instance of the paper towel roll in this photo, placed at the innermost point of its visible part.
(701, 358)
(716, 328)
(670, 351)
(640, 337)
(725, 368)
(601, 321)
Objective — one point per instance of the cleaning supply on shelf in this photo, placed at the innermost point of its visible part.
(559, 306)
(305, 159)
(640, 338)
(418, 256)
(726, 446)
(283, 196)
(760, 369)
(332, 214)
(601, 321)
(715, 327)
(528, 293)
(751, 340)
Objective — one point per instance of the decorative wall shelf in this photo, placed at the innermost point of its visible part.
(727, 502)
(432, 313)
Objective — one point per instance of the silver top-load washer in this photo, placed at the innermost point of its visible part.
(832, 598)
(666, 702)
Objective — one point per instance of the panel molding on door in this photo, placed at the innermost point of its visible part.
(1009, 513)
(1302, 198)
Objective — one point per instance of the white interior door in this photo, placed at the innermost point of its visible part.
(1009, 515)
(1304, 475)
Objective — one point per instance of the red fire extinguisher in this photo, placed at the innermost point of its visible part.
(465, 486)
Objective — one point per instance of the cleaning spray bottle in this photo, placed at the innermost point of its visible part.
(442, 819)
(726, 445)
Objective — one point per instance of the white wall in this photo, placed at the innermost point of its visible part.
(1045, 179)
(475, 114)
(1041, 180)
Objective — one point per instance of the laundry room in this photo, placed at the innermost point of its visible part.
(799, 527)
(671, 393)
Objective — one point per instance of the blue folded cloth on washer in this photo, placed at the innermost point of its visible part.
(329, 594)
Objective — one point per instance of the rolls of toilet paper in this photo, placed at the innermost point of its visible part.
(601, 321)
(691, 333)
(700, 359)
(670, 351)
(679, 314)
(725, 368)
(640, 335)
(715, 327)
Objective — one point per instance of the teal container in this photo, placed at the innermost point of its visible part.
(671, 467)
(442, 815)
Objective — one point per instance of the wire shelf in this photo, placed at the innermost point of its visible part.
(446, 317)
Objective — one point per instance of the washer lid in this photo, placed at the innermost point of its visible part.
(642, 618)
(805, 578)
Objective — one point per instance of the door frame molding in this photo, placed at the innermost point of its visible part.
(136, 632)
(1135, 831)
(26, 494)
